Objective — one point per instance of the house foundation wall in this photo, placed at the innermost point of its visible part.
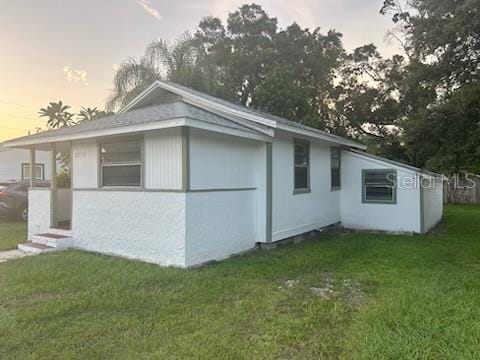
(219, 224)
(38, 211)
(148, 226)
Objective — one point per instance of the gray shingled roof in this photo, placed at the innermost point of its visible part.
(247, 109)
(166, 111)
(396, 163)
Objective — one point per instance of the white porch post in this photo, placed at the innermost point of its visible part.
(32, 167)
(53, 187)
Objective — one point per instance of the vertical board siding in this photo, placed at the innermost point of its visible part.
(163, 159)
(432, 202)
(294, 214)
(85, 165)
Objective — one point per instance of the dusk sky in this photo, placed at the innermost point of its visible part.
(67, 50)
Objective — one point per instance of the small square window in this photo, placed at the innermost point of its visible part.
(379, 186)
(39, 171)
(120, 163)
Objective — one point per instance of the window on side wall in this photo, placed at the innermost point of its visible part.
(379, 186)
(301, 167)
(39, 171)
(335, 168)
(121, 163)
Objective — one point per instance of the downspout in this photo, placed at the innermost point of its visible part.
(422, 204)
(268, 238)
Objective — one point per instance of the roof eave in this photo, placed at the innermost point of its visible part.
(157, 125)
(326, 137)
(396, 163)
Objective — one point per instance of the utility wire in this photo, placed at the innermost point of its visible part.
(15, 104)
(18, 116)
(12, 128)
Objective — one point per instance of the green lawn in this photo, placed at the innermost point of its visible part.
(12, 234)
(374, 296)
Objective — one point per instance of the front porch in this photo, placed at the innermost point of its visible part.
(50, 205)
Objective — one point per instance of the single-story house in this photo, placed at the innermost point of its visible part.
(180, 178)
(15, 165)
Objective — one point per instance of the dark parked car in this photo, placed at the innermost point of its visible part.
(14, 199)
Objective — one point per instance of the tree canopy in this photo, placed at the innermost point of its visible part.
(420, 106)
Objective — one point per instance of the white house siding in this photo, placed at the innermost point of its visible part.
(222, 162)
(38, 212)
(404, 216)
(219, 224)
(11, 163)
(163, 159)
(432, 201)
(261, 193)
(295, 214)
(226, 208)
(148, 226)
(85, 165)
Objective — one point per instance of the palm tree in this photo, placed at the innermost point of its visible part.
(57, 114)
(88, 114)
(177, 62)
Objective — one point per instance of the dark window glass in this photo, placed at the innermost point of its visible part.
(302, 164)
(301, 178)
(386, 177)
(121, 163)
(335, 168)
(378, 193)
(379, 186)
(128, 175)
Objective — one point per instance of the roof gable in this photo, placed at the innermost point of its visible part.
(226, 108)
(174, 111)
(165, 101)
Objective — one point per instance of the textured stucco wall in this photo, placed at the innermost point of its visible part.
(432, 201)
(148, 226)
(295, 214)
(219, 224)
(38, 212)
(404, 216)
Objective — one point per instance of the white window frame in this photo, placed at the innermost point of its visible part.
(26, 172)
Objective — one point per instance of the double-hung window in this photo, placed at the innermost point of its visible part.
(301, 167)
(379, 186)
(335, 168)
(39, 171)
(121, 163)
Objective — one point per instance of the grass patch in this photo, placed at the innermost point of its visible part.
(388, 297)
(12, 234)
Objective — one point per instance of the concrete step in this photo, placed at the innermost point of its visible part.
(53, 240)
(35, 248)
(60, 231)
